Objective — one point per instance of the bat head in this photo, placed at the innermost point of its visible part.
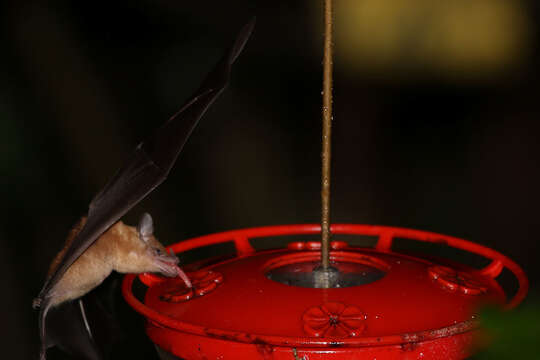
(144, 253)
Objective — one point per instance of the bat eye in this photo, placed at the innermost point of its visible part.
(158, 251)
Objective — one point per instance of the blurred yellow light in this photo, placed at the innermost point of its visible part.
(464, 37)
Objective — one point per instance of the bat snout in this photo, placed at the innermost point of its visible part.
(167, 265)
(171, 259)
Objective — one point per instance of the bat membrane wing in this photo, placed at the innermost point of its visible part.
(67, 327)
(148, 167)
(151, 161)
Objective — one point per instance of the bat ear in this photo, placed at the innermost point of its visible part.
(145, 227)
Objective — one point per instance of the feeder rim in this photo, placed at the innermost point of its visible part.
(386, 236)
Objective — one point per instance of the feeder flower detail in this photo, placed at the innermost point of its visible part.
(334, 320)
(454, 280)
(203, 282)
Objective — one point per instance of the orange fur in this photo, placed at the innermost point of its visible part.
(118, 249)
(72, 234)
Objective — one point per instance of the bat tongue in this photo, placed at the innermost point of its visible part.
(179, 271)
(183, 276)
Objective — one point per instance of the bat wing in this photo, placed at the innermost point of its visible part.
(88, 328)
(148, 167)
(150, 163)
(69, 329)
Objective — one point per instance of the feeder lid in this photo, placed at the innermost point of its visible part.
(385, 297)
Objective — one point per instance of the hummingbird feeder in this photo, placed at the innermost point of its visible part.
(266, 304)
(323, 299)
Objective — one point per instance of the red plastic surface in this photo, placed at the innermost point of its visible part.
(418, 306)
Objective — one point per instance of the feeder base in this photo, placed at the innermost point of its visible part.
(455, 347)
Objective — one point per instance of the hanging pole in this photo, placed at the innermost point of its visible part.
(326, 135)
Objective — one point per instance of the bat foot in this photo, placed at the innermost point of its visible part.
(43, 354)
(36, 303)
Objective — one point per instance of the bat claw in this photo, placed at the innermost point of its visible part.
(36, 303)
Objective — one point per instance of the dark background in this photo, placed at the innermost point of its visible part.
(430, 136)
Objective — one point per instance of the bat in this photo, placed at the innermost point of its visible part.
(148, 167)
(122, 248)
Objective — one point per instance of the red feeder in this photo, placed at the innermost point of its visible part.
(266, 304)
